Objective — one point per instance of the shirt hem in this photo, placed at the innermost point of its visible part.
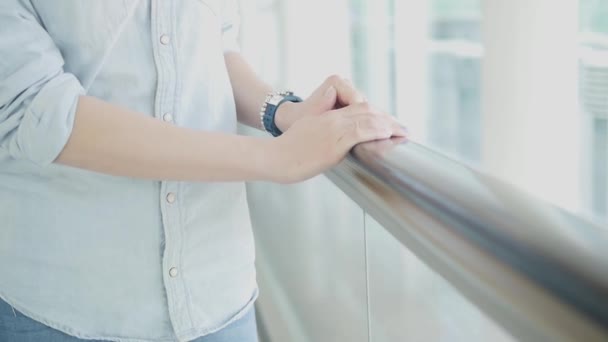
(185, 336)
(193, 334)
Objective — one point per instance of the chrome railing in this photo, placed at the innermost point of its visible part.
(538, 271)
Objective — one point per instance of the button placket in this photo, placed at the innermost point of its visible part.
(165, 44)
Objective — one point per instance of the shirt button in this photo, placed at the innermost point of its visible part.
(173, 272)
(165, 39)
(171, 198)
(168, 117)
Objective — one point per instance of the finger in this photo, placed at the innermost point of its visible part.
(363, 109)
(322, 100)
(364, 128)
(347, 93)
(399, 130)
(329, 82)
(357, 109)
(386, 126)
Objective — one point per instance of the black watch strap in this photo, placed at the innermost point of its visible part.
(269, 110)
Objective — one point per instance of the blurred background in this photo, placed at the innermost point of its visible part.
(517, 88)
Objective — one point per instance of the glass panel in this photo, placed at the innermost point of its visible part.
(410, 302)
(309, 237)
(600, 166)
(311, 266)
(452, 46)
(373, 28)
(455, 80)
(594, 103)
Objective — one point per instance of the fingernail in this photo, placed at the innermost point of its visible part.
(405, 130)
(331, 91)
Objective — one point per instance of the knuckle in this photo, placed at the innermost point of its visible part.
(333, 79)
(359, 129)
(365, 107)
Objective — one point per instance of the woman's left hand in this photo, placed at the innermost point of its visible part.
(319, 102)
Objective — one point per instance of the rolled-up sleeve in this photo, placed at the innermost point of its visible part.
(37, 98)
(231, 26)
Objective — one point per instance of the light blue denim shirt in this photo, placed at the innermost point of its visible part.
(106, 257)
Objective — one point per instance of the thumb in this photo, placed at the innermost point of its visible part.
(323, 101)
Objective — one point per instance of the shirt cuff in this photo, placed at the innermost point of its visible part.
(48, 121)
(230, 38)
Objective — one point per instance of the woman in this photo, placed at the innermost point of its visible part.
(122, 200)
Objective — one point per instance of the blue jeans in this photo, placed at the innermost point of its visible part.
(15, 327)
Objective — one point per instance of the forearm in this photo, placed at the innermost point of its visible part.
(113, 140)
(249, 90)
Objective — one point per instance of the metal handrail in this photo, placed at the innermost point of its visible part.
(540, 272)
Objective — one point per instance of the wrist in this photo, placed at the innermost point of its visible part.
(286, 115)
(276, 161)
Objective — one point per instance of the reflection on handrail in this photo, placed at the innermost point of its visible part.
(537, 270)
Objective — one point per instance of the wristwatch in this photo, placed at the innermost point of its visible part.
(269, 110)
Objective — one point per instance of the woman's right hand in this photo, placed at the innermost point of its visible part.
(316, 143)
